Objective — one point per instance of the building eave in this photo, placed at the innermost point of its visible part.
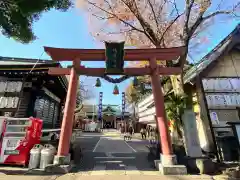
(29, 64)
(212, 56)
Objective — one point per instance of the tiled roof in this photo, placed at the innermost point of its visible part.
(90, 108)
(12, 61)
(16, 63)
(23, 61)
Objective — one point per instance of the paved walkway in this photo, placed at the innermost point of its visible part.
(108, 156)
(78, 176)
(113, 145)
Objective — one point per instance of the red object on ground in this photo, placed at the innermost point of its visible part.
(18, 136)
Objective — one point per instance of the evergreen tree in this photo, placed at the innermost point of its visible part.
(17, 16)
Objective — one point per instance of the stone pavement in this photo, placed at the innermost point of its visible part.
(111, 133)
(77, 176)
(106, 154)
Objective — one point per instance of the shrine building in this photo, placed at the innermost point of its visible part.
(111, 116)
(26, 89)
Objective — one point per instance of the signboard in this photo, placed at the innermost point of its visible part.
(221, 84)
(10, 86)
(227, 92)
(114, 57)
(8, 102)
(191, 138)
(214, 118)
(51, 95)
(11, 152)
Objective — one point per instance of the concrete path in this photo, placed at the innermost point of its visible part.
(107, 156)
(110, 154)
(71, 176)
(114, 145)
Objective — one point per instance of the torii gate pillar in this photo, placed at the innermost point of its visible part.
(63, 156)
(167, 156)
(160, 110)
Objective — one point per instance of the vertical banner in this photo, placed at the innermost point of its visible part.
(123, 105)
(100, 106)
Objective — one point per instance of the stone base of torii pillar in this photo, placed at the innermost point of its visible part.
(167, 165)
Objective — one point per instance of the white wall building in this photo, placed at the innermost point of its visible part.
(146, 111)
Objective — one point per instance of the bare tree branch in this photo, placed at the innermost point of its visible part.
(102, 18)
(188, 11)
(161, 7)
(114, 15)
(201, 19)
(219, 4)
(175, 7)
(217, 13)
(154, 15)
(169, 26)
(161, 23)
(147, 28)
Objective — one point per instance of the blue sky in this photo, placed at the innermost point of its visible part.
(69, 30)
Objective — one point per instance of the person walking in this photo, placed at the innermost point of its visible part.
(143, 133)
(122, 129)
(131, 130)
(129, 133)
(148, 131)
(152, 135)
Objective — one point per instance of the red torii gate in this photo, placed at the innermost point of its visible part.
(154, 70)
